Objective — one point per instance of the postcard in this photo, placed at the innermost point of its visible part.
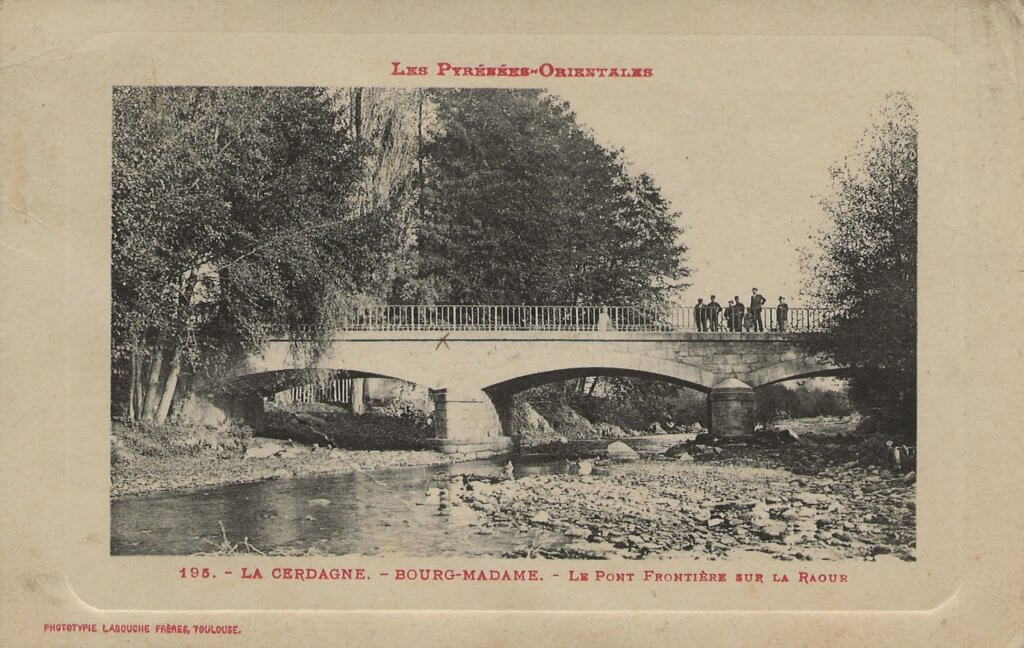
(575, 324)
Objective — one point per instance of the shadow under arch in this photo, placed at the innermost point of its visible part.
(811, 367)
(522, 383)
(266, 383)
(513, 377)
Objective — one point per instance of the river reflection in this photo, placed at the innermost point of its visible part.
(371, 513)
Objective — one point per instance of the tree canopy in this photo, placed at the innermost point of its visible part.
(867, 265)
(237, 211)
(231, 216)
(524, 206)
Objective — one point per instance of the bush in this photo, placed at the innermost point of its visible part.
(344, 430)
(169, 440)
(880, 450)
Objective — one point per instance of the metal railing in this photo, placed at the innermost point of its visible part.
(493, 317)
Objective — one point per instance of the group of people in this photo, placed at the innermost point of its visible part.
(736, 317)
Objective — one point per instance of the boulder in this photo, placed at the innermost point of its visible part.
(609, 430)
(263, 451)
(786, 437)
(677, 450)
(812, 499)
(619, 451)
(705, 438)
(305, 417)
(790, 514)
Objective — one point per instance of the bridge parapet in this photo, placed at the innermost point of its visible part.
(508, 317)
(528, 335)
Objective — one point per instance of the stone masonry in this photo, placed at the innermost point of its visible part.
(473, 374)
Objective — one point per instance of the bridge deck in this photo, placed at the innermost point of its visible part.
(595, 319)
(452, 335)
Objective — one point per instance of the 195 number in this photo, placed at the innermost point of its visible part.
(195, 572)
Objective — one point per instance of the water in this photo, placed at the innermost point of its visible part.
(373, 513)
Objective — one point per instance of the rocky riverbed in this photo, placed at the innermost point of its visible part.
(717, 505)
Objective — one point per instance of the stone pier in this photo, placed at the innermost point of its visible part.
(732, 409)
(466, 423)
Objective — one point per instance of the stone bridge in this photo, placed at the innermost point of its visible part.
(474, 369)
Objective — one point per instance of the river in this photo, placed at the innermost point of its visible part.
(387, 512)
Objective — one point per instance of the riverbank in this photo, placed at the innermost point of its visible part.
(815, 499)
(825, 496)
(312, 439)
(166, 458)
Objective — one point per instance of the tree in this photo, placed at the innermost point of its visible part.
(866, 265)
(232, 215)
(523, 206)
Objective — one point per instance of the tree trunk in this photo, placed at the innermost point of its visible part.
(170, 385)
(419, 158)
(140, 392)
(131, 386)
(153, 385)
(593, 385)
(357, 113)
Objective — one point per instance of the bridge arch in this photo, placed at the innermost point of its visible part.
(814, 366)
(532, 370)
(265, 383)
(354, 358)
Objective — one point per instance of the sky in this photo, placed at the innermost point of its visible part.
(742, 147)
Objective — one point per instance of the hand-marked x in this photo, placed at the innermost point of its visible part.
(444, 341)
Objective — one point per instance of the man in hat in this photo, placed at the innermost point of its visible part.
(756, 302)
(782, 313)
(713, 310)
(737, 314)
(700, 315)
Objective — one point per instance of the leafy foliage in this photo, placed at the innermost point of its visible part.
(231, 213)
(523, 206)
(868, 265)
(240, 210)
(775, 402)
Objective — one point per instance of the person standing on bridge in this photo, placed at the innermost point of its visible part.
(700, 315)
(713, 310)
(728, 314)
(782, 313)
(737, 314)
(756, 303)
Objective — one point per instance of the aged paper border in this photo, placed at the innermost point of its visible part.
(59, 61)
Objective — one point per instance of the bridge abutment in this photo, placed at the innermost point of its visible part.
(732, 408)
(467, 423)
